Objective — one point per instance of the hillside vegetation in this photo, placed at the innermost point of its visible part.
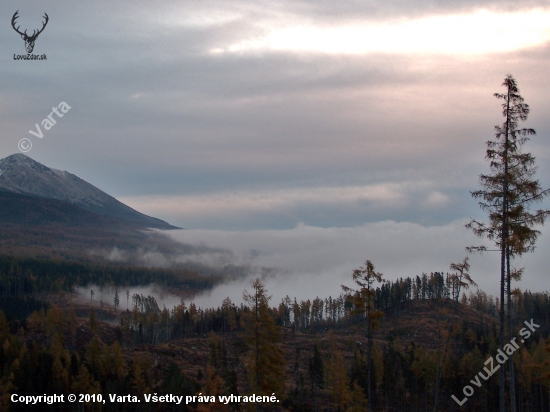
(70, 345)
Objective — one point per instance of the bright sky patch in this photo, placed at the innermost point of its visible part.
(475, 33)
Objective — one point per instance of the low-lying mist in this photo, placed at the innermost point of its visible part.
(105, 295)
(306, 262)
(313, 261)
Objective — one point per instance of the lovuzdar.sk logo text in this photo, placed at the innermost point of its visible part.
(29, 39)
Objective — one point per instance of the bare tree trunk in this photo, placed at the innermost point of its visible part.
(257, 332)
(503, 249)
(438, 374)
(369, 345)
(511, 359)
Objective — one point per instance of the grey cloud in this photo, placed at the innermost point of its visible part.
(327, 10)
(154, 114)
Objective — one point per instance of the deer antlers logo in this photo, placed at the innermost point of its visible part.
(29, 40)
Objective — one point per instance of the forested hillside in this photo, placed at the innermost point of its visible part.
(320, 344)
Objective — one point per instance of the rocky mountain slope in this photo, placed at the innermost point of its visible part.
(19, 174)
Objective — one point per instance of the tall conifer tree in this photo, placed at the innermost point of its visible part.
(262, 335)
(363, 302)
(506, 194)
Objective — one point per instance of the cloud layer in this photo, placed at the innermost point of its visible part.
(357, 130)
(313, 261)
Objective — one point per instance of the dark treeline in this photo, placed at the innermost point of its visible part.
(18, 308)
(317, 314)
(22, 276)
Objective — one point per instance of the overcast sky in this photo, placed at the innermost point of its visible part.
(311, 119)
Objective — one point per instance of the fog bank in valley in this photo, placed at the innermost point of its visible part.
(314, 261)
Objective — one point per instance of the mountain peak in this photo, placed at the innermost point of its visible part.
(16, 156)
(23, 175)
(20, 160)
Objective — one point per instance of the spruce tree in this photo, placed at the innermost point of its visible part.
(266, 363)
(506, 194)
(116, 300)
(316, 374)
(337, 378)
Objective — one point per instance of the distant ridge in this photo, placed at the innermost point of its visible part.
(25, 210)
(22, 175)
